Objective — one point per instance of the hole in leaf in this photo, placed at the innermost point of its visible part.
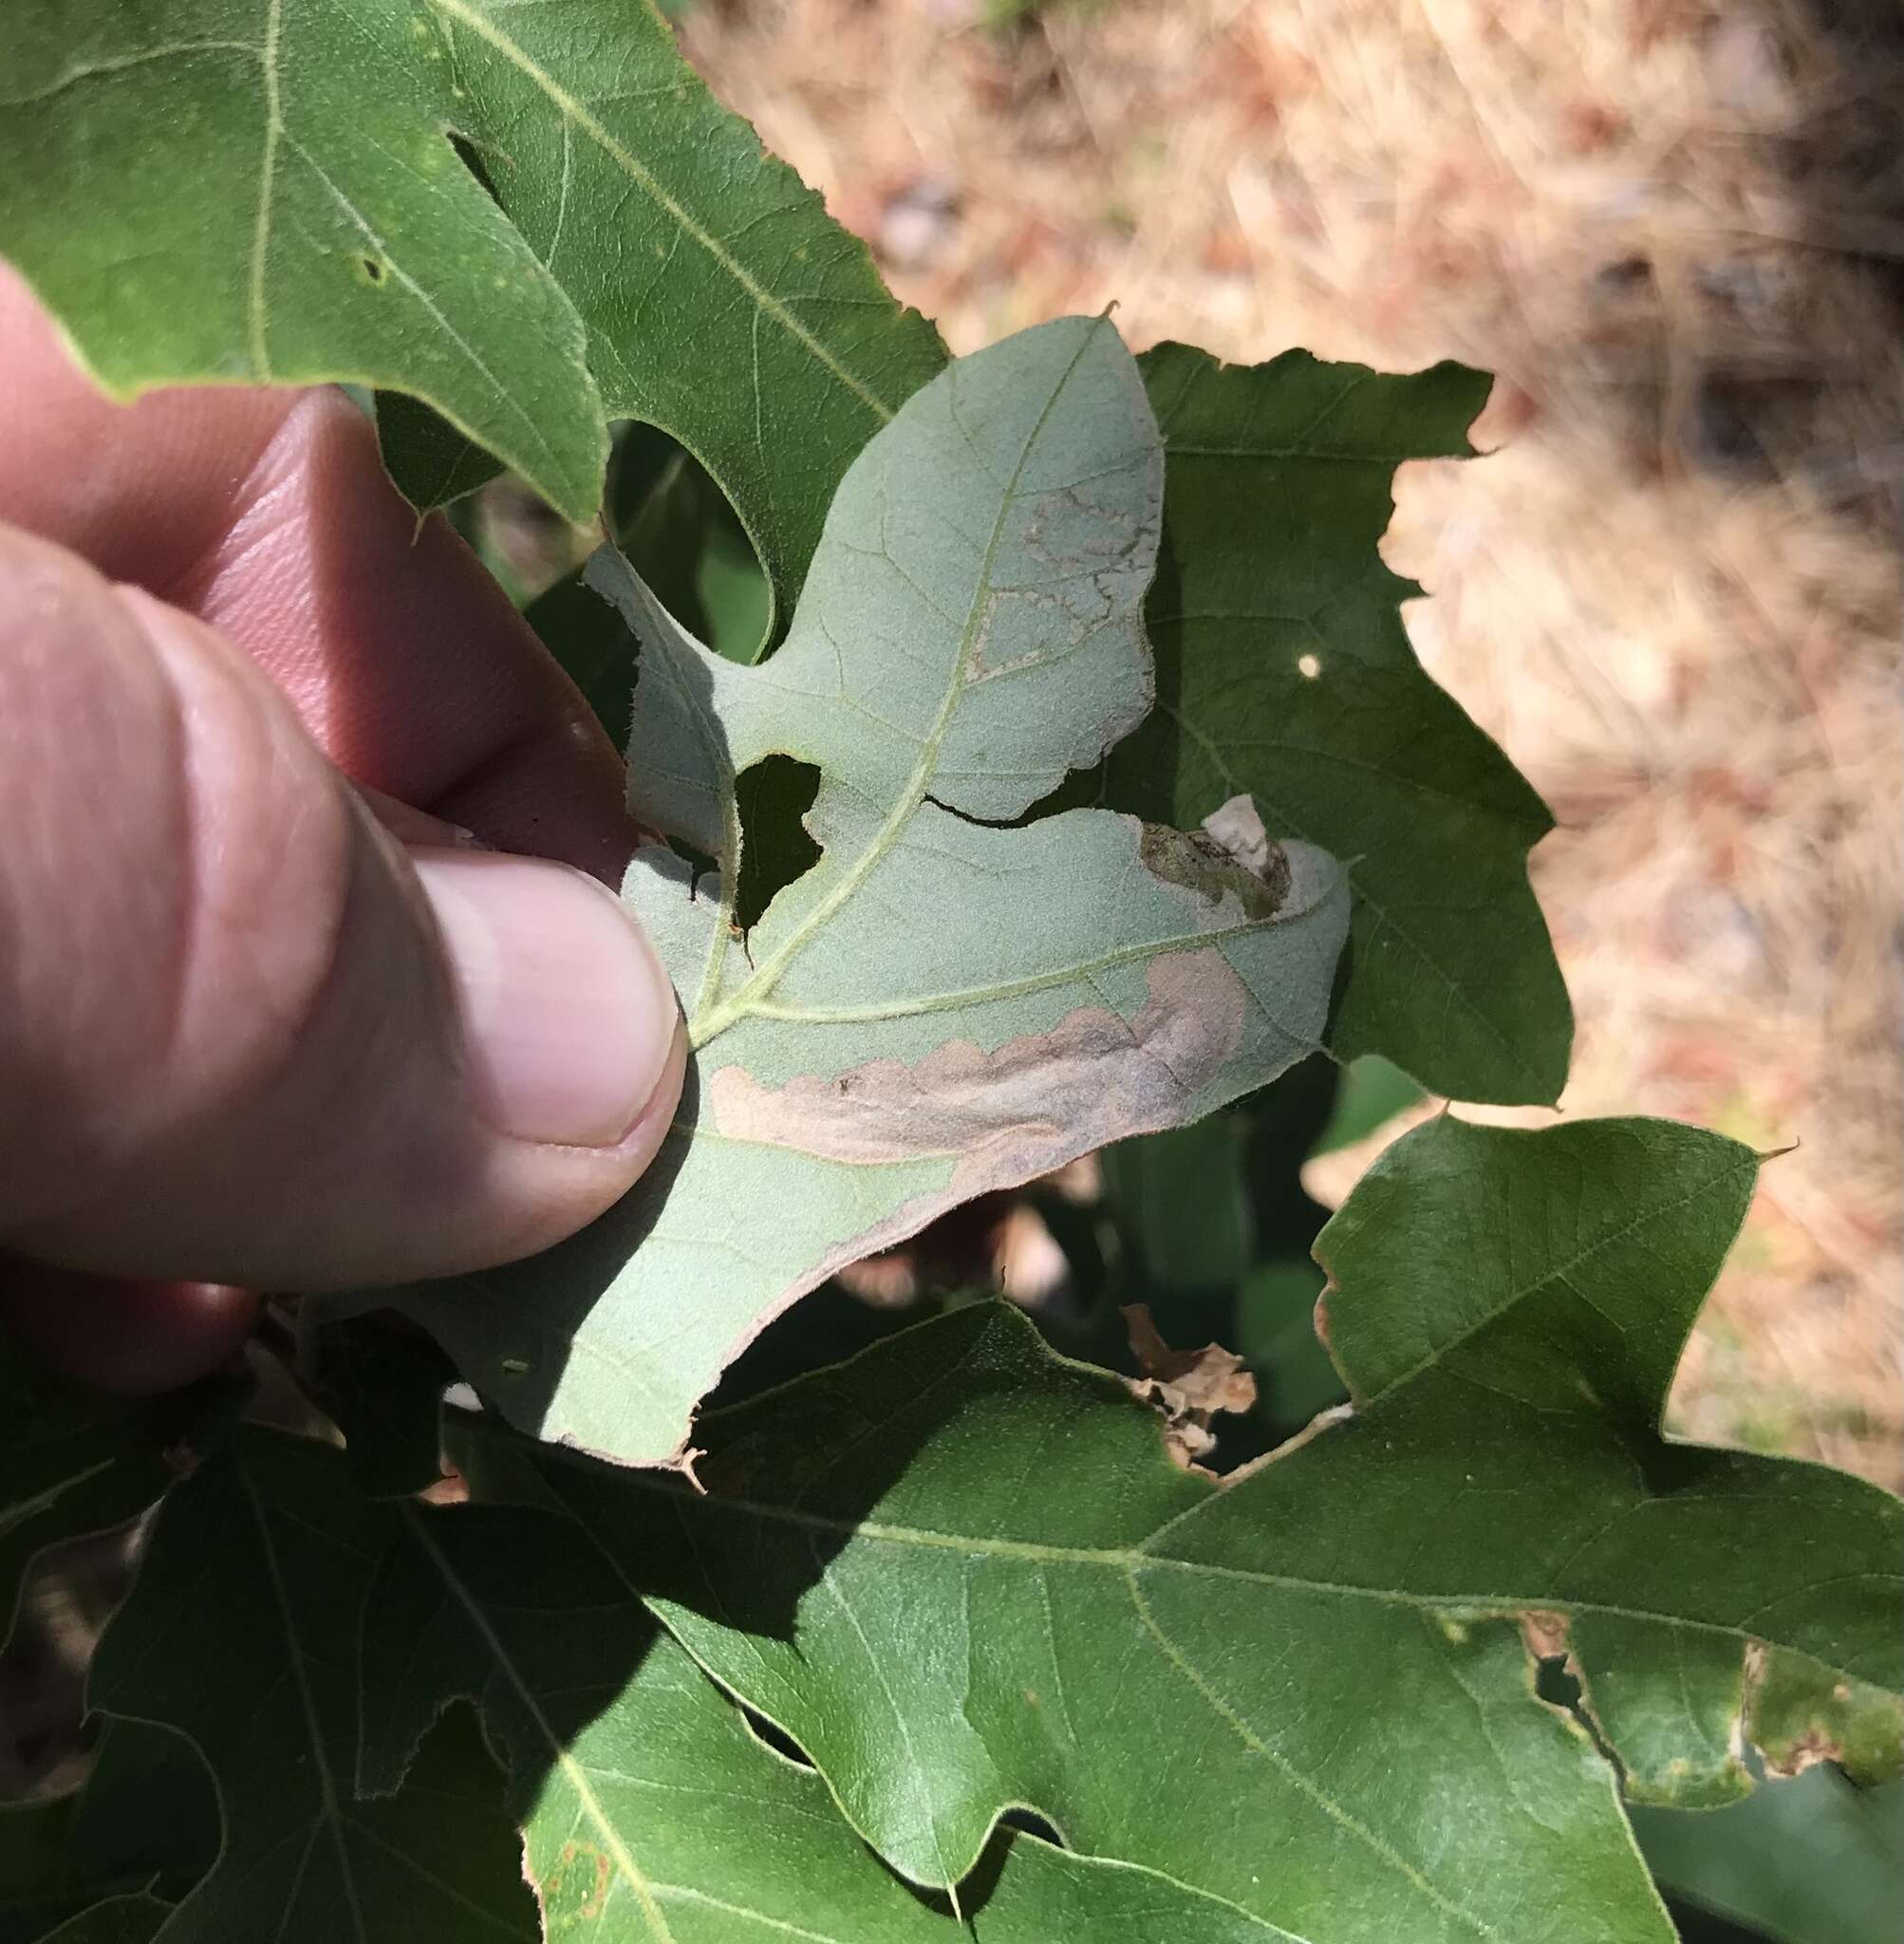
(1309, 666)
(990, 823)
(1555, 1685)
(773, 795)
(703, 865)
(772, 1736)
(682, 536)
(471, 157)
(373, 269)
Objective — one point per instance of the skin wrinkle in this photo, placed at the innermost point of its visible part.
(62, 633)
(270, 579)
(183, 946)
(251, 518)
(313, 853)
(282, 984)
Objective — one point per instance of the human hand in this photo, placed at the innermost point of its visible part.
(262, 1027)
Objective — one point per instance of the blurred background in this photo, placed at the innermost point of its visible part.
(1674, 229)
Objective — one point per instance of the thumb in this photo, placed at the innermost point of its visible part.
(246, 1036)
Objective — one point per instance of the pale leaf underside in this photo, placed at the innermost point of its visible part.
(942, 1005)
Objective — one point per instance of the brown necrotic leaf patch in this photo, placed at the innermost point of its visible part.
(1035, 1102)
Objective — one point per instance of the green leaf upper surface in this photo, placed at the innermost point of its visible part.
(722, 304)
(721, 301)
(250, 192)
(241, 1633)
(939, 1006)
(272, 195)
(962, 1573)
(1283, 670)
(651, 1812)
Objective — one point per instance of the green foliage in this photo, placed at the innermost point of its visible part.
(936, 905)
(1210, 1229)
(1283, 670)
(969, 631)
(133, 1918)
(1009, 1530)
(650, 1808)
(618, 247)
(720, 302)
(118, 1852)
(1334, 1647)
(681, 537)
(242, 1635)
(1372, 1091)
(270, 196)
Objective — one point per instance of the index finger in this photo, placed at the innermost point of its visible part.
(269, 513)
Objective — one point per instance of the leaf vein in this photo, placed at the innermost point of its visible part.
(571, 108)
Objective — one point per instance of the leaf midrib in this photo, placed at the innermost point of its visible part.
(950, 1002)
(709, 1025)
(1127, 1563)
(1137, 1558)
(330, 1809)
(573, 1771)
(1130, 1562)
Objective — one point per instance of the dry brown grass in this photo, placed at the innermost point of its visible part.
(1674, 229)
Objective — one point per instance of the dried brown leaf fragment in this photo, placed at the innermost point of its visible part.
(1187, 1387)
